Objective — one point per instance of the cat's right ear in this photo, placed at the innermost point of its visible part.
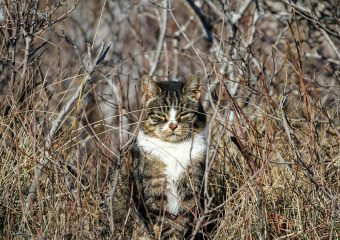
(150, 88)
(192, 87)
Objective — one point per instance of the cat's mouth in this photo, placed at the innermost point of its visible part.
(175, 136)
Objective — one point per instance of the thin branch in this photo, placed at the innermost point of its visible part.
(189, 41)
(29, 38)
(299, 157)
(217, 11)
(89, 68)
(306, 13)
(117, 93)
(163, 26)
(206, 24)
(175, 44)
(2, 12)
(201, 219)
(331, 43)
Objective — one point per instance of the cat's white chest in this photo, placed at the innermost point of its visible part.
(176, 157)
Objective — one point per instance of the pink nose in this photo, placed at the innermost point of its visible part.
(173, 125)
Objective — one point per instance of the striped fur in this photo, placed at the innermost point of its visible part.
(169, 157)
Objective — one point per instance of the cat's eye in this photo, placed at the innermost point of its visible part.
(158, 117)
(184, 116)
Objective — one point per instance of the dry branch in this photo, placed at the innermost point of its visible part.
(163, 26)
(89, 67)
(205, 23)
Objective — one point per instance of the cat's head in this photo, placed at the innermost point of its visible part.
(173, 111)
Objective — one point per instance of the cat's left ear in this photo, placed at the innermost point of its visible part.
(192, 87)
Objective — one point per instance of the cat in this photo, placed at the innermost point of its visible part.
(169, 157)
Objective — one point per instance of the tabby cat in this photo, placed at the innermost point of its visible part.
(169, 157)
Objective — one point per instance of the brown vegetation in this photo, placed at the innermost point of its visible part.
(70, 106)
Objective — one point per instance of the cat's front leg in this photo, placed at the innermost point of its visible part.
(190, 191)
(153, 180)
(155, 188)
(190, 186)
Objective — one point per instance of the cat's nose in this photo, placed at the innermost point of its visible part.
(173, 125)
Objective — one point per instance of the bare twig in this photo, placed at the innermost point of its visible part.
(299, 157)
(29, 37)
(118, 95)
(163, 26)
(331, 43)
(2, 12)
(175, 44)
(90, 67)
(205, 23)
(217, 11)
(306, 13)
(201, 219)
(234, 20)
(188, 40)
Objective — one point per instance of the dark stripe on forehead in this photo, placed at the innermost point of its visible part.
(171, 93)
(171, 96)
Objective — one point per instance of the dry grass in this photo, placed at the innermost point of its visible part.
(272, 85)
